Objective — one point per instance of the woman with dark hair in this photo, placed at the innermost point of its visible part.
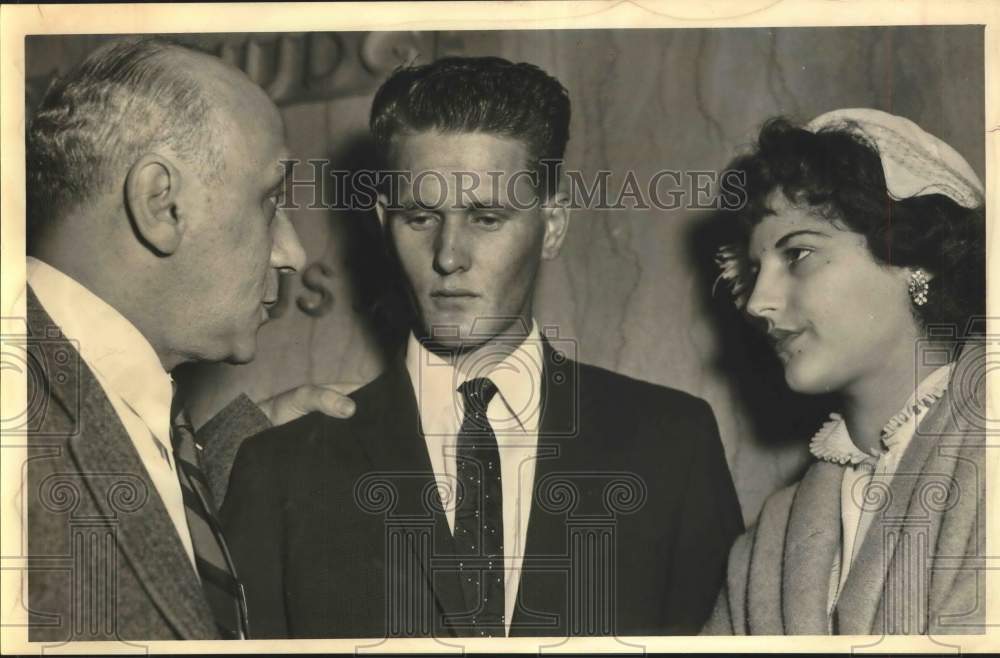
(862, 256)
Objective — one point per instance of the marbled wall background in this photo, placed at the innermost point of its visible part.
(632, 287)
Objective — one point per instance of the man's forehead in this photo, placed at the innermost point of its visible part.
(459, 151)
(233, 94)
(257, 137)
(219, 77)
(462, 189)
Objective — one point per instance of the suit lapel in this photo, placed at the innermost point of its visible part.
(543, 593)
(870, 578)
(810, 546)
(399, 451)
(106, 459)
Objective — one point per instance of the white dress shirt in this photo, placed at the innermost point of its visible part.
(129, 371)
(513, 415)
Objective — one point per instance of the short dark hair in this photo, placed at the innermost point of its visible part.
(122, 99)
(841, 176)
(475, 94)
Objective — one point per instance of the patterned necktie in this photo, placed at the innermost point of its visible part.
(479, 512)
(215, 567)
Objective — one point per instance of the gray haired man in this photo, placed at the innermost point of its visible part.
(155, 239)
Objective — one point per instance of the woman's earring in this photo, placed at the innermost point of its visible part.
(918, 287)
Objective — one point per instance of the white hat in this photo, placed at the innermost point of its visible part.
(915, 162)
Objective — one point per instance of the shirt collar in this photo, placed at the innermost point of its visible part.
(517, 375)
(109, 344)
(833, 443)
(927, 393)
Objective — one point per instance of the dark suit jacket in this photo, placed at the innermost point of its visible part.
(337, 530)
(105, 562)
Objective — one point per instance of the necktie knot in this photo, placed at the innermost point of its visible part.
(477, 394)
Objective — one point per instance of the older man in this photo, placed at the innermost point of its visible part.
(155, 239)
(490, 485)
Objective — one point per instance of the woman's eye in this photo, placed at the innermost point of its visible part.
(795, 254)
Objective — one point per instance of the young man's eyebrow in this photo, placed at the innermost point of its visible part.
(478, 204)
(410, 204)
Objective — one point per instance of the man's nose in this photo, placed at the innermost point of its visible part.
(451, 248)
(286, 250)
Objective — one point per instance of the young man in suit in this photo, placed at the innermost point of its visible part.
(489, 485)
(154, 239)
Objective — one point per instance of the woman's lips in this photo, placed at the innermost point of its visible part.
(782, 339)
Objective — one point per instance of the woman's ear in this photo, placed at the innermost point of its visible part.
(152, 186)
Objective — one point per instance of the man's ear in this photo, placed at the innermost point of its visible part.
(556, 216)
(152, 186)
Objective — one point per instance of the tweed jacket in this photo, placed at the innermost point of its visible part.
(104, 559)
(919, 568)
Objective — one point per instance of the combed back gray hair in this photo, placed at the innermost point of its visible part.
(124, 99)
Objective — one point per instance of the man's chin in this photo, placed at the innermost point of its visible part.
(240, 359)
(243, 352)
(455, 345)
(465, 333)
(461, 342)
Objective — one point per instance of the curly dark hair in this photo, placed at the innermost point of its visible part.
(840, 174)
(476, 94)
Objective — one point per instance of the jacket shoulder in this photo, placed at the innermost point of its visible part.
(302, 436)
(775, 511)
(652, 423)
(628, 392)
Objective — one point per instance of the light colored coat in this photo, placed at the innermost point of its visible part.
(920, 567)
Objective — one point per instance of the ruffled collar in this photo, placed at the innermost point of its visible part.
(833, 443)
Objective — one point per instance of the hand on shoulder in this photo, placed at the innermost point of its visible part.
(330, 399)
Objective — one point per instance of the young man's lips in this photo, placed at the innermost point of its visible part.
(452, 300)
(453, 293)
